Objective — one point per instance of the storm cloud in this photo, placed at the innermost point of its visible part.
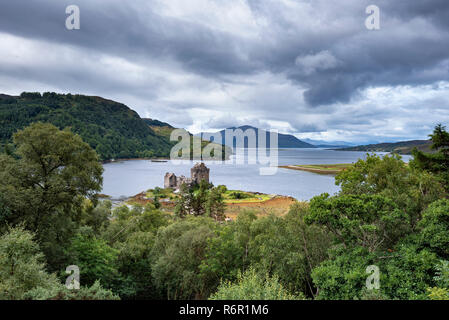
(308, 67)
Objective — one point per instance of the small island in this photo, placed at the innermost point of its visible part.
(320, 168)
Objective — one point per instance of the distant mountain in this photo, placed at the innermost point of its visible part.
(329, 144)
(164, 129)
(284, 140)
(402, 147)
(111, 128)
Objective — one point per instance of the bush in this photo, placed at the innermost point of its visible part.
(250, 286)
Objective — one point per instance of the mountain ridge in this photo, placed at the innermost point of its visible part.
(284, 140)
(401, 147)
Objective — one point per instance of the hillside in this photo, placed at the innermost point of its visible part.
(156, 123)
(284, 140)
(402, 147)
(329, 144)
(111, 128)
(160, 128)
(164, 129)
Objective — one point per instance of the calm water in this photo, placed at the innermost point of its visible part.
(128, 178)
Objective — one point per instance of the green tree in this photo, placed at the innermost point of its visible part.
(23, 274)
(127, 221)
(95, 259)
(97, 217)
(157, 195)
(437, 162)
(405, 273)
(371, 221)
(5, 213)
(224, 256)
(22, 265)
(250, 286)
(132, 233)
(434, 233)
(45, 186)
(411, 189)
(215, 206)
(178, 252)
(60, 292)
(134, 263)
(199, 200)
(441, 291)
(305, 248)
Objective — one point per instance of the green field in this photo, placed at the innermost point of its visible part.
(237, 196)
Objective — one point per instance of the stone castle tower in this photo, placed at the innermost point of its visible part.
(198, 173)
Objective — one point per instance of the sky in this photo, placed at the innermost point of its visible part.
(309, 68)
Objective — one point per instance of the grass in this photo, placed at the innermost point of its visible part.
(163, 193)
(237, 196)
(230, 196)
(320, 168)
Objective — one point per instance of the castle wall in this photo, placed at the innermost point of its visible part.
(198, 173)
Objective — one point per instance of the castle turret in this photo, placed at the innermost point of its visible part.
(199, 172)
(170, 180)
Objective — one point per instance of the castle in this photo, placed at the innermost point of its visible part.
(198, 173)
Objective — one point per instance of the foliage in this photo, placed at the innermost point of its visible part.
(96, 217)
(60, 292)
(5, 212)
(371, 221)
(438, 162)
(442, 280)
(134, 263)
(45, 186)
(405, 273)
(385, 215)
(442, 274)
(342, 276)
(434, 226)
(132, 232)
(250, 286)
(237, 195)
(23, 274)
(224, 256)
(305, 248)
(436, 293)
(111, 128)
(388, 214)
(127, 221)
(178, 252)
(95, 259)
(199, 200)
(412, 190)
(22, 265)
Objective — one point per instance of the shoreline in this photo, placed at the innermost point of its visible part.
(326, 169)
(151, 160)
(131, 159)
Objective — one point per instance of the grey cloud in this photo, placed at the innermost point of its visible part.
(322, 50)
(364, 57)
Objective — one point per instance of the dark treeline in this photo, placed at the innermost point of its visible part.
(389, 214)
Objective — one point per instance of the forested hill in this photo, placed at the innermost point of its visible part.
(156, 123)
(111, 128)
(402, 147)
